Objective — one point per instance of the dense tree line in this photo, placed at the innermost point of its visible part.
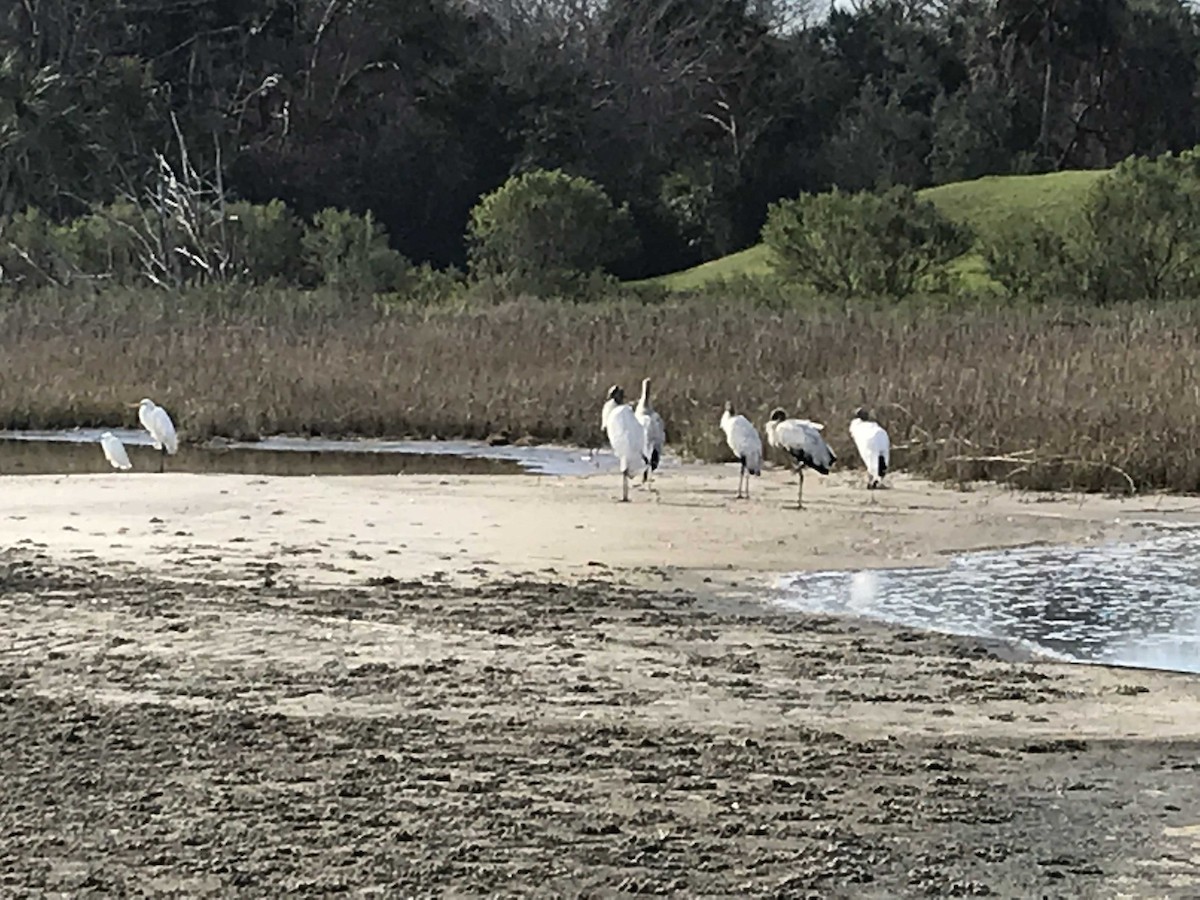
(694, 115)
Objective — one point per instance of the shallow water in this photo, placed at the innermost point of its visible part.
(78, 451)
(1133, 604)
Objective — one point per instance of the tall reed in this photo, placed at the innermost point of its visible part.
(1074, 392)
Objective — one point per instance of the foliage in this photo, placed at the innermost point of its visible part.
(696, 116)
(877, 244)
(104, 243)
(1143, 231)
(350, 253)
(1137, 237)
(547, 232)
(986, 206)
(28, 251)
(264, 241)
(1033, 260)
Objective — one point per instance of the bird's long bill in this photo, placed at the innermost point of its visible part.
(133, 405)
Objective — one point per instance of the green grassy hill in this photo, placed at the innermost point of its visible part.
(983, 204)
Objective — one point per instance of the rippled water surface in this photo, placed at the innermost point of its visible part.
(78, 451)
(1134, 604)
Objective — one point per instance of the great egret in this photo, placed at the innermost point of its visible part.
(873, 446)
(802, 440)
(162, 430)
(742, 438)
(652, 425)
(114, 451)
(626, 435)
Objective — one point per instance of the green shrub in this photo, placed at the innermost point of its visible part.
(887, 244)
(263, 241)
(1138, 238)
(423, 286)
(30, 254)
(1034, 260)
(350, 253)
(105, 243)
(1143, 230)
(546, 232)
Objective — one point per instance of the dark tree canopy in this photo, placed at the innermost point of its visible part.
(695, 115)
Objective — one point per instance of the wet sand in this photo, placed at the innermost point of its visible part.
(313, 685)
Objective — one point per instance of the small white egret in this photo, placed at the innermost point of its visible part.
(802, 441)
(873, 445)
(114, 451)
(652, 425)
(742, 438)
(627, 437)
(162, 430)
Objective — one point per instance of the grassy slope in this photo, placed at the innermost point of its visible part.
(983, 204)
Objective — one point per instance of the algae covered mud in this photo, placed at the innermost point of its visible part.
(526, 735)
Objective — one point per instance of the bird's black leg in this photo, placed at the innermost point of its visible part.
(800, 488)
(162, 461)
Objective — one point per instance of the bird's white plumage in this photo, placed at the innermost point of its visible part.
(873, 446)
(114, 451)
(652, 427)
(609, 405)
(628, 439)
(158, 423)
(802, 439)
(742, 438)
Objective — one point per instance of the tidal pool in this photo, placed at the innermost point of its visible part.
(1130, 604)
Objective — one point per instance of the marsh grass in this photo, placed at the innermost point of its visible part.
(1066, 392)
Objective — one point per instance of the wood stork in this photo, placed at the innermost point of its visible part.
(114, 451)
(652, 425)
(873, 446)
(802, 441)
(156, 420)
(627, 437)
(742, 438)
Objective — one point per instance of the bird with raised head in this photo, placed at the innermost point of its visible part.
(652, 425)
(627, 437)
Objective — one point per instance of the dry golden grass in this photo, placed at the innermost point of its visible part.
(1096, 388)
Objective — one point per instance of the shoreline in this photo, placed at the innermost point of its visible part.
(412, 526)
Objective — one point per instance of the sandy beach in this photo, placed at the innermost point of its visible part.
(222, 685)
(331, 529)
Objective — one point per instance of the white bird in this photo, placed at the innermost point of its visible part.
(627, 437)
(652, 425)
(873, 445)
(162, 430)
(114, 451)
(802, 440)
(742, 438)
